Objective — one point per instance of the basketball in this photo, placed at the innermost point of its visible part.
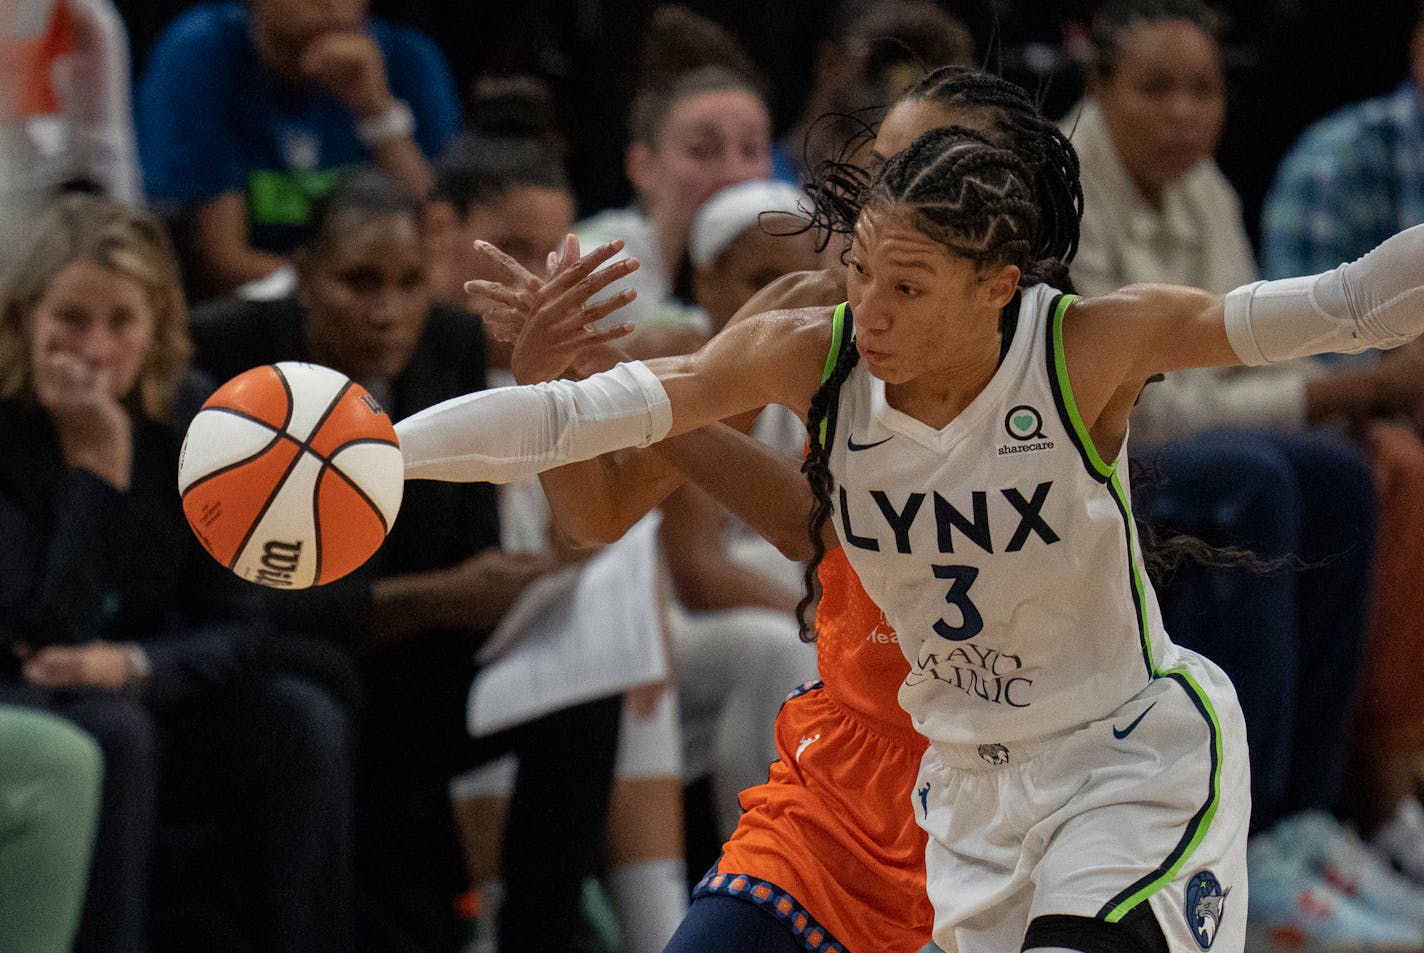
(291, 475)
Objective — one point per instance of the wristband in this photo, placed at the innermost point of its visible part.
(396, 122)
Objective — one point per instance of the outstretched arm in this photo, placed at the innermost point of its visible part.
(598, 500)
(1113, 344)
(502, 434)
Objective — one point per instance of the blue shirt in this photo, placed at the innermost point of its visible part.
(212, 119)
(1352, 180)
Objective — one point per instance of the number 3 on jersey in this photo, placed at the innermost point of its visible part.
(971, 622)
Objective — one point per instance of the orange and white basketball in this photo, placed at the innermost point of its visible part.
(291, 475)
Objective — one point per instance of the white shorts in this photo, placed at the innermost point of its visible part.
(1148, 806)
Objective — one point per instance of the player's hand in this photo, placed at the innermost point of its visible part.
(95, 665)
(350, 64)
(551, 321)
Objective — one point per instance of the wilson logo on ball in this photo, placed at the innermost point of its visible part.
(291, 475)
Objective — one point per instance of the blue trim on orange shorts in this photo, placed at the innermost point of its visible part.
(771, 898)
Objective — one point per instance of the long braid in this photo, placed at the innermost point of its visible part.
(818, 473)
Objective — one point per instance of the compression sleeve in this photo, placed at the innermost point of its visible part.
(503, 434)
(1375, 301)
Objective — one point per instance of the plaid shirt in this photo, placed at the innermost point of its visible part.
(1352, 180)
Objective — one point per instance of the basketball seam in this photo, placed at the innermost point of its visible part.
(303, 447)
(329, 462)
(277, 436)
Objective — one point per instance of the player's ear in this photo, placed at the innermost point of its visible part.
(999, 285)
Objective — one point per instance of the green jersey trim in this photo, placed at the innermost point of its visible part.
(1171, 867)
(833, 356)
(837, 332)
(1063, 391)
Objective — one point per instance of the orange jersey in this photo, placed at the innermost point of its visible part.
(829, 844)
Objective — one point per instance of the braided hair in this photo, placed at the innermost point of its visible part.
(977, 200)
(1004, 113)
(1009, 119)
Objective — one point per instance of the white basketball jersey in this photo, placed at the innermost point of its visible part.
(1001, 548)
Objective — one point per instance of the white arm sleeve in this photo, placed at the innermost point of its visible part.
(503, 434)
(1375, 301)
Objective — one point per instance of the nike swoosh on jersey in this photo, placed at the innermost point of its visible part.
(853, 447)
(1121, 733)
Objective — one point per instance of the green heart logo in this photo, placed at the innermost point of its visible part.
(1023, 422)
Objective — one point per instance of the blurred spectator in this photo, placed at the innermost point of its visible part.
(1157, 209)
(733, 637)
(49, 803)
(869, 55)
(248, 111)
(416, 614)
(698, 122)
(1350, 179)
(504, 182)
(115, 618)
(65, 115)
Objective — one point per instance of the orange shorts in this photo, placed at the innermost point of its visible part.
(829, 844)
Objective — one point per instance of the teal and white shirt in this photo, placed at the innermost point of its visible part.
(1001, 548)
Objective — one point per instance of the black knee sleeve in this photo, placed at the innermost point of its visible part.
(1138, 932)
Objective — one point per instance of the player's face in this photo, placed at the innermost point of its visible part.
(1165, 103)
(366, 295)
(752, 260)
(918, 308)
(709, 141)
(526, 223)
(99, 317)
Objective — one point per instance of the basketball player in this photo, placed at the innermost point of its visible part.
(816, 847)
(1097, 773)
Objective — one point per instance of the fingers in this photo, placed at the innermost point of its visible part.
(515, 272)
(483, 290)
(582, 267)
(597, 311)
(502, 324)
(577, 294)
(612, 333)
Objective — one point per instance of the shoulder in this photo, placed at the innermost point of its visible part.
(790, 337)
(797, 290)
(205, 27)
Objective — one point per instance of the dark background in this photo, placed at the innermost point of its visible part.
(1289, 61)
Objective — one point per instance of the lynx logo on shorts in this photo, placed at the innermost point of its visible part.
(1205, 905)
(994, 754)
